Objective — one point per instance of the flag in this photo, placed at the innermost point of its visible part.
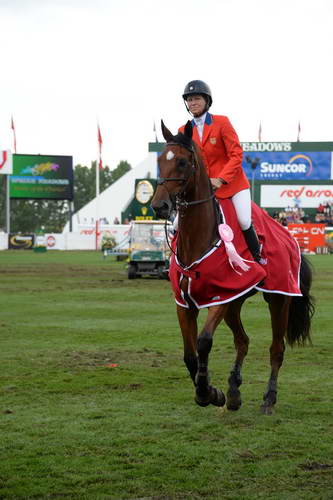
(154, 129)
(100, 142)
(12, 126)
(299, 131)
(259, 132)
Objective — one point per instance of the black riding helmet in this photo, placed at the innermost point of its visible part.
(196, 87)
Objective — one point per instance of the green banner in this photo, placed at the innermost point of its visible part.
(42, 177)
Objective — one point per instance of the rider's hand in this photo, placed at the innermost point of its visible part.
(217, 182)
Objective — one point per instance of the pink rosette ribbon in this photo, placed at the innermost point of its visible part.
(227, 235)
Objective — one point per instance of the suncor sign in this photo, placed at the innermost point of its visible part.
(288, 165)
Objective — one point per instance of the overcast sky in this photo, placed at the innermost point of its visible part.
(67, 63)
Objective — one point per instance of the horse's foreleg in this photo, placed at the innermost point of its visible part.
(241, 341)
(205, 393)
(188, 324)
(279, 308)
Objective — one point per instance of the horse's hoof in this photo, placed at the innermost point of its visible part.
(214, 397)
(217, 397)
(234, 401)
(202, 401)
(266, 409)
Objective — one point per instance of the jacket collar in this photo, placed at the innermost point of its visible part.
(208, 120)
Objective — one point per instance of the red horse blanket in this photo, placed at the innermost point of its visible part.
(213, 281)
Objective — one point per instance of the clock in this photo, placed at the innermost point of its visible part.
(144, 191)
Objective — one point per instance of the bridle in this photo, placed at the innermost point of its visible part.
(180, 201)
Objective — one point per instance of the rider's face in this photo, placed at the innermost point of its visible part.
(196, 104)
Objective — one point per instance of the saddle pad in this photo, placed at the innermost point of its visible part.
(212, 280)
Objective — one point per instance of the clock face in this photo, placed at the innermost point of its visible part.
(144, 191)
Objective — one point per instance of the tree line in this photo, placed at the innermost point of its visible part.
(31, 216)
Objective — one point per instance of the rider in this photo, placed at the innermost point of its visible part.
(222, 154)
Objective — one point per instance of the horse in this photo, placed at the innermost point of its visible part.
(184, 185)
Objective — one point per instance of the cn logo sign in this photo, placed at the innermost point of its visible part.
(6, 162)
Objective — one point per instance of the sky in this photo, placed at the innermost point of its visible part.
(68, 64)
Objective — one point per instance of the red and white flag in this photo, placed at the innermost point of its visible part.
(12, 126)
(299, 132)
(100, 143)
(259, 132)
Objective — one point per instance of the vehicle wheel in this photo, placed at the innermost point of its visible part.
(131, 272)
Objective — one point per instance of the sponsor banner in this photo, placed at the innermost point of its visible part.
(118, 231)
(42, 177)
(6, 162)
(309, 236)
(288, 165)
(21, 241)
(55, 241)
(301, 195)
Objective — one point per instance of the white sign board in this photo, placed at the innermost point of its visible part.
(6, 162)
(302, 195)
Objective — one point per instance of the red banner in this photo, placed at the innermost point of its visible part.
(309, 236)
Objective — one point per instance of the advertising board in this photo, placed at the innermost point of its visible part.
(303, 195)
(21, 241)
(309, 236)
(42, 177)
(290, 165)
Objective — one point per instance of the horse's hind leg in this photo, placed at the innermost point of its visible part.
(241, 341)
(279, 309)
(205, 393)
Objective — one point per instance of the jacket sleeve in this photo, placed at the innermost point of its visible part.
(234, 152)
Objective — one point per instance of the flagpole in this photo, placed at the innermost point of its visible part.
(12, 126)
(299, 131)
(7, 204)
(97, 202)
(98, 166)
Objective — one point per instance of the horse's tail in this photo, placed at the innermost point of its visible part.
(301, 308)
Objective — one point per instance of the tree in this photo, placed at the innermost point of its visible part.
(31, 216)
(85, 181)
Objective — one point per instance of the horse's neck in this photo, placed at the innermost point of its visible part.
(197, 227)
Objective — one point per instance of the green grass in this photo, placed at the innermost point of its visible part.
(73, 425)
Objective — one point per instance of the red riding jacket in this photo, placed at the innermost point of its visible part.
(222, 154)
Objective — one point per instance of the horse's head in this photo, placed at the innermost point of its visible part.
(176, 165)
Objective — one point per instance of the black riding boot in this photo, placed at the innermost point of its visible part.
(252, 241)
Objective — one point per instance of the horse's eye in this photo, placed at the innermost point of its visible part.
(181, 163)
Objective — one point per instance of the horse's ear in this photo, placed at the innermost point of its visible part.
(188, 131)
(166, 132)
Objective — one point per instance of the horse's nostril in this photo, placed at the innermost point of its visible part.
(161, 208)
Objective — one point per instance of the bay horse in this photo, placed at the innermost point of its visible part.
(184, 185)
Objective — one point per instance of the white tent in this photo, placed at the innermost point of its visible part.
(113, 200)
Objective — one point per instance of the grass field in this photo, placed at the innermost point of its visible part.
(97, 404)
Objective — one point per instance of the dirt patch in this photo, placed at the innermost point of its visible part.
(315, 466)
(110, 359)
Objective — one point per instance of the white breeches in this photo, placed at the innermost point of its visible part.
(242, 203)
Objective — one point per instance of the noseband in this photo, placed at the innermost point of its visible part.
(161, 181)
